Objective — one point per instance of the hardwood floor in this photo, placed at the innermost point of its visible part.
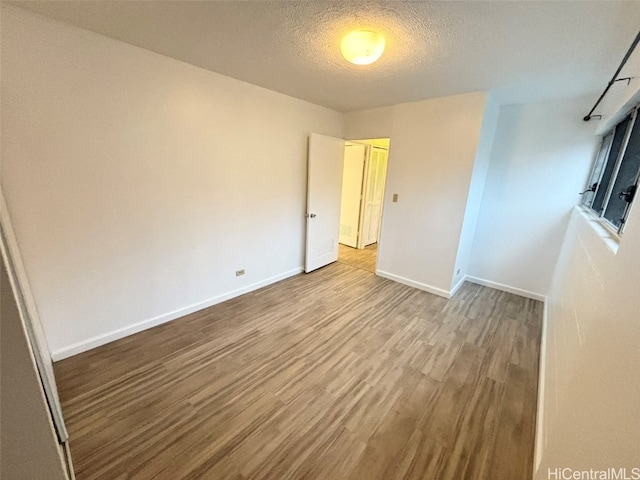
(338, 374)
(364, 258)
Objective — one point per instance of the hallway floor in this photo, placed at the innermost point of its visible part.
(364, 259)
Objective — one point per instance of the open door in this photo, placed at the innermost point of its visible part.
(324, 189)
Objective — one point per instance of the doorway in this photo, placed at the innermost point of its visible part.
(363, 185)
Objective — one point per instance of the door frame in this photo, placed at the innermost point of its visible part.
(384, 193)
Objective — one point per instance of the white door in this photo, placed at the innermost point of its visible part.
(19, 291)
(374, 194)
(352, 179)
(324, 189)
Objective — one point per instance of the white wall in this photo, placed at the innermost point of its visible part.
(431, 158)
(370, 123)
(476, 189)
(138, 184)
(590, 415)
(541, 157)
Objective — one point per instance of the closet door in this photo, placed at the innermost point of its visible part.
(28, 347)
(29, 316)
(352, 183)
(374, 194)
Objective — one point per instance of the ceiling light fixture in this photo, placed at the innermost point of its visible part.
(362, 47)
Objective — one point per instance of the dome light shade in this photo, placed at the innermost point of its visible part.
(362, 47)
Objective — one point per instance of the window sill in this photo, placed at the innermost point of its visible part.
(602, 229)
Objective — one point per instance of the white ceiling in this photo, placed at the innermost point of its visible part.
(524, 51)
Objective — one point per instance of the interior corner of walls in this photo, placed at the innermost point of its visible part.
(476, 186)
(456, 286)
(369, 123)
(507, 288)
(415, 284)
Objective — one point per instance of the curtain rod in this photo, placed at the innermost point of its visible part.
(614, 79)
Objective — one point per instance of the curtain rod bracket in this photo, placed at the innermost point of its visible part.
(625, 79)
(614, 79)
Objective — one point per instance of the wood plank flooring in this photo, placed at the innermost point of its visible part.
(364, 258)
(338, 374)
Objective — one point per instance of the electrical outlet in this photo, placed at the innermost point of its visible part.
(239, 272)
(395, 198)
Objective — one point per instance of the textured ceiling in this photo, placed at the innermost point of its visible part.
(524, 51)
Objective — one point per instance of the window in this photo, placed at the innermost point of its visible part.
(614, 178)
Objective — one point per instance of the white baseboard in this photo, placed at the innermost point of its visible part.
(412, 283)
(457, 286)
(105, 338)
(542, 377)
(507, 288)
(108, 337)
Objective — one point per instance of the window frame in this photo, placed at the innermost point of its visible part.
(634, 116)
(610, 134)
